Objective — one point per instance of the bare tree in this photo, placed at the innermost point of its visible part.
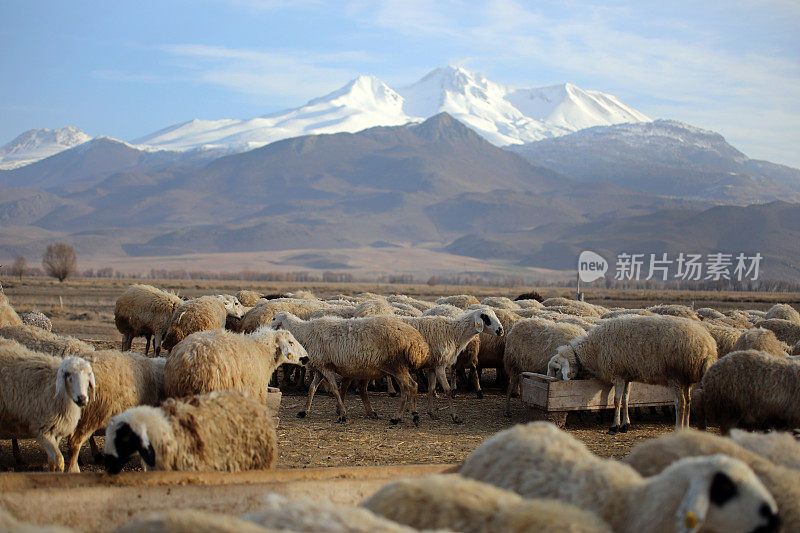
(60, 261)
(19, 266)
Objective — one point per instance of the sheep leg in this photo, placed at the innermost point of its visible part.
(311, 391)
(96, 453)
(74, 444)
(343, 392)
(431, 393)
(390, 387)
(680, 406)
(127, 339)
(54, 458)
(687, 400)
(453, 381)
(626, 421)
(408, 393)
(513, 379)
(362, 391)
(147, 344)
(442, 377)
(330, 377)
(157, 344)
(619, 391)
(476, 383)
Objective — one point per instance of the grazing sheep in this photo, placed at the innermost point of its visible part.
(264, 313)
(469, 506)
(41, 396)
(530, 345)
(39, 340)
(707, 313)
(403, 309)
(248, 298)
(586, 323)
(492, 348)
(782, 448)
(661, 350)
(38, 319)
(362, 349)
(529, 304)
(500, 302)
(469, 357)
(190, 521)
(784, 311)
(124, 380)
(422, 305)
(621, 312)
(762, 340)
(753, 390)
(8, 317)
(574, 307)
(650, 458)
(715, 493)
(447, 337)
(232, 305)
(725, 337)
(200, 314)
(218, 360)
(681, 311)
(740, 319)
(459, 300)
(285, 514)
(143, 310)
(785, 330)
(222, 430)
(362, 309)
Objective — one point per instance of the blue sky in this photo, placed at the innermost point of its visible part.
(125, 69)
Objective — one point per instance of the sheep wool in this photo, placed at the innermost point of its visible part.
(218, 360)
(219, 431)
(785, 330)
(753, 390)
(783, 311)
(39, 340)
(248, 298)
(780, 447)
(726, 337)
(459, 300)
(716, 493)
(8, 317)
(760, 339)
(264, 313)
(200, 314)
(144, 311)
(469, 506)
(190, 521)
(650, 458)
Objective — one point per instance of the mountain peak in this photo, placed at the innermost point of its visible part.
(443, 127)
(37, 144)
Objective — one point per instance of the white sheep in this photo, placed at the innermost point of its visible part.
(660, 350)
(8, 317)
(39, 340)
(760, 339)
(217, 360)
(500, 302)
(124, 380)
(780, 447)
(447, 337)
(221, 431)
(361, 349)
(41, 396)
(783, 311)
(715, 493)
(459, 300)
(201, 314)
(785, 330)
(469, 506)
(143, 310)
(233, 306)
(653, 456)
(264, 313)
(530, 345)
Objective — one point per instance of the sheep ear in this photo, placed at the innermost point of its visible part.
(479, 324)
(694, 507)
(92, 386)
(59, 383)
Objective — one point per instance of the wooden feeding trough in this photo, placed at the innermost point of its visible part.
(551, 399)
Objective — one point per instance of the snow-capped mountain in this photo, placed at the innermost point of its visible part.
(503, 115)
(34, 145)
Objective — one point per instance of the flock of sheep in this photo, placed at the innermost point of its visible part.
(202, 407)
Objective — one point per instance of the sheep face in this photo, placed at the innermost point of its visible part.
(289, 349)
(278, 319)
(75, 379)
(559, 365)
(724, 495)
(232, 305)
(123, 440)
(486, 319)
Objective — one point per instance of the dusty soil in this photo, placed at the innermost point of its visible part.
(86, 307)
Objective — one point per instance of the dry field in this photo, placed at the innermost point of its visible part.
(85, 308)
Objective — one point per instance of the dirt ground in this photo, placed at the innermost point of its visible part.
(85, 309)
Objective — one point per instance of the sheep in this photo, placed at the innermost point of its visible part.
(530, 345)
(706, 313)
(585, 323)
(741, 319)
(8, 317)
(500, 302)
(469, 506)
(782, 448)
(200, 314)
(784, 311)
(263, 313)
(404, 309)
(661, 350)
(190, 521)
(232, 305)
(143, 310)
(716, 493)
(284, 514)
(762, 340)
(752, 389)
(124, 380)
(725, 337)
(459, 300)
(422, 305)
(219, 360)
(360, 348)
(574, 307)
(492, 347)
(38, 319)
(681, 311)
(447, 337)
(531, 295)
(39, 340)
(221, 431)
(41, 396)
(248, 298)
(529, 304)
(620, 312)
(785, 330)
(653, 456)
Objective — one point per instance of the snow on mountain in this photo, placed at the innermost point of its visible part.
(501, 114)
(34, 145)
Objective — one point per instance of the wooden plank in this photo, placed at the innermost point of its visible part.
(587, 395)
